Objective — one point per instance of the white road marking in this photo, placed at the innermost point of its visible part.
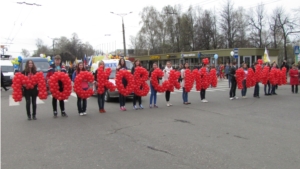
(39, 101)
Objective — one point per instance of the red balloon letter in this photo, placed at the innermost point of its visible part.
(141, 88)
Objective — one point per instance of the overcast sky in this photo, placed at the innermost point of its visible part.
(91, 19)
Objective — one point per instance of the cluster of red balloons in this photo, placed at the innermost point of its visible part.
(173, 79)
(250, 80)
(205, 79)
(103, 81)
(188, 80)
(83, 76)
(21, 80)
(197, 78)
(130, 82)
(213, 77)
(141, 88)
(205, 61)
(240, 74)
(54, 85)
(158, 74)
(265, 75)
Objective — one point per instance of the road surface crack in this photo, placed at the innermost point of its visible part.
(155, 149)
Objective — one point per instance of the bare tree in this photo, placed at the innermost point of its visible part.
(228, 23)
(287, 25)
(25, 53)
(256, 20)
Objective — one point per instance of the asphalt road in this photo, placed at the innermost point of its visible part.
(221, 134)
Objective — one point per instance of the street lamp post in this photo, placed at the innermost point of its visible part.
(124, 42)
(53, 40)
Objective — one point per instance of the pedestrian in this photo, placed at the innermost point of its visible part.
(57, 67)
(244, 90)
(203, 90)
(70, 71)
(274, 86)
(256, 87)
(294, 79)
(101, 97)
(30, 94)
(233, 81)
(166, 71)
(136, 64)
(229, 77)
(184, 93)
(2, 81)
(179, 69)
(268, 85)
(81, 102)
(122, 98)
(153, 95)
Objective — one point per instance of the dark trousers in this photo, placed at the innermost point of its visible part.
(232, 88)
(122, 100)
(2, 85)
(273, 89)
(269, 88)
(101, 100)
(137, 98)
(61, 105)
(81, 104)
(256, 90)
(244, 90)
(167, 95)
(295, 87)
(30, 97)
(202, 94)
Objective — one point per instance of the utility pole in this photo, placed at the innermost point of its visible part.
(124, 42)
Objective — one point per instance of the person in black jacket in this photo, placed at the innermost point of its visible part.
(30, 94)
(2, 81)
(268, 92)
(136, 64)
(233, 81)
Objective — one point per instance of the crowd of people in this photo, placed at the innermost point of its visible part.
(226, 71)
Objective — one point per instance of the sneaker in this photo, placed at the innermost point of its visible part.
(135, 108)
(33, 118)
(150, 106)
(231, 98)
(121, 108)
(168, 104)
(80, 114)
(64, 114)
(155, 106)
(29, 118)
(141, 106)
(84, 113)
(244, 97)
(55, 114)
(124, 108)
(236, 98)
(103, 110)
(205, 101)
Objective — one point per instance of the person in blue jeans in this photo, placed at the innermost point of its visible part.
(153, 95)
(81, 103)
(184, 93)
(244, 90)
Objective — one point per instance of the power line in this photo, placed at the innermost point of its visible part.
(14, 24)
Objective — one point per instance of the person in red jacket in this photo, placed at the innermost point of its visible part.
(294, 81)
(57, 67)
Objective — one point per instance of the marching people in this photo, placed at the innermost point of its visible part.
(30, 94)
(268, 85)
(153, 95)
(244, 90)
(81, 103)
(294, 79)
(136, 97)
(57, 67)
(122, 98)
(184, 93)
(233, 81)
(166, 71)
(273, 92)
(256, 87)
(203, 90)
(100, 97)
